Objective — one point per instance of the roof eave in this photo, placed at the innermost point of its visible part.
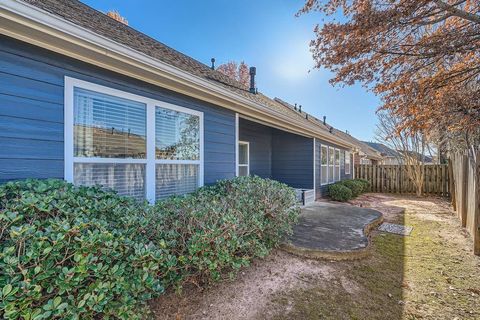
(32, 25)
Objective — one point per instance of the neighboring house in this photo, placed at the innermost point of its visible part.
(389, 156)
(90, 100)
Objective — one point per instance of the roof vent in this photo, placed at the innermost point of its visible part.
(324, 120)
(213, 63)
(253, 72)
(300, 108)
(330, 130)
(295, 106)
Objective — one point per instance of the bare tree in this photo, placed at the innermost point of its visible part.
(412, 147)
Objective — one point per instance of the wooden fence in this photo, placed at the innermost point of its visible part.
(466, 193)
(394, 178)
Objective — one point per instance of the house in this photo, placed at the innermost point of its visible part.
(389, 156)
(90, 100)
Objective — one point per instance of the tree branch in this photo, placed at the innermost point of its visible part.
(458, 12)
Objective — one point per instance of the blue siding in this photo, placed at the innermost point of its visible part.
(279, 155)
(292, 159)
(31, 112)
(260, 141)
(322, 190)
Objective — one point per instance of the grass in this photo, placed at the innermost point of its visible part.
(430, 274)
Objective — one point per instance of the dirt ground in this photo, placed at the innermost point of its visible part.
(430, 274)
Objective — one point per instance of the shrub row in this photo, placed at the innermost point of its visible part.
(348, 189)
(83, 253)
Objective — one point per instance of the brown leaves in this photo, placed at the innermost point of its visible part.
(238, 72)
(420, 56)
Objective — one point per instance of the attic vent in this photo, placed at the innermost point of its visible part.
(253, 72)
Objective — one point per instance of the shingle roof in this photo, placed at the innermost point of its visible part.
(370, 152)
(84, 16)
(383, 149)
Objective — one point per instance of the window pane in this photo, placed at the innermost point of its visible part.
(330, 174)
(108, 127)
(337, 157)
(126, 179)
(243, 171)
(174, 179)
(342, 159)
(242, 153)
(324, 174)
(331, 156)
(324, 156)
(177, 135)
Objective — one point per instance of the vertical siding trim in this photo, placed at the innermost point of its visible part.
(314, 165)
(68, 130)
(237, 121)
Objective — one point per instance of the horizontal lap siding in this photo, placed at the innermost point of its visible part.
(292, 159)
(260, 144)
(31, 113)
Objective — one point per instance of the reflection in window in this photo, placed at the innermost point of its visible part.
(108, 127)
(177, 135)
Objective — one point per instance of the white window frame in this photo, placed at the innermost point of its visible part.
(332, 178)
(347, 161)
(150, 161)
(322, 147)
(337, 165)
(248, 158)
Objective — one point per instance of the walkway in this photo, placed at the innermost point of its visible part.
(332, 231)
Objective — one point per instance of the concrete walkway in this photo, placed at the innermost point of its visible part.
(332, 231)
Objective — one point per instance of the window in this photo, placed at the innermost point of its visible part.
(324, 164)
(331, 164)
(347, 162)
(337, 165)
(243, 158)
(137, 146)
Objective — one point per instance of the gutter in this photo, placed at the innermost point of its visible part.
(30, 24)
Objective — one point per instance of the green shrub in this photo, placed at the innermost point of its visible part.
(339, 192)
(365, 183)
(83, 253)
(355, 186)
(220, 228)
(64, 254)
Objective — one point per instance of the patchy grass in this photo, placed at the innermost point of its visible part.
(430, 274)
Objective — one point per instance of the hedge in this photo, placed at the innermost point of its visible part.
(83, 253)
(339, 192)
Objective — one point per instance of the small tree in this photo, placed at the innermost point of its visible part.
(114, 14)
(236, 71)
(411, 147)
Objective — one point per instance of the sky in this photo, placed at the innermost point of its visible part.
(265, 34)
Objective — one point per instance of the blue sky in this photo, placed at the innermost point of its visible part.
(265, 34)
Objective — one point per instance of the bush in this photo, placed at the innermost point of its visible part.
(64, 253)
(339, 192)
(78, 252)
(220, 228)
(355, 186)
(365, 183)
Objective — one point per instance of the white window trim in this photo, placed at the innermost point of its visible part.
(323, 165)
(336, 167)
(347, 156)
(331, 149)
(248, 157)
(150, 161)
